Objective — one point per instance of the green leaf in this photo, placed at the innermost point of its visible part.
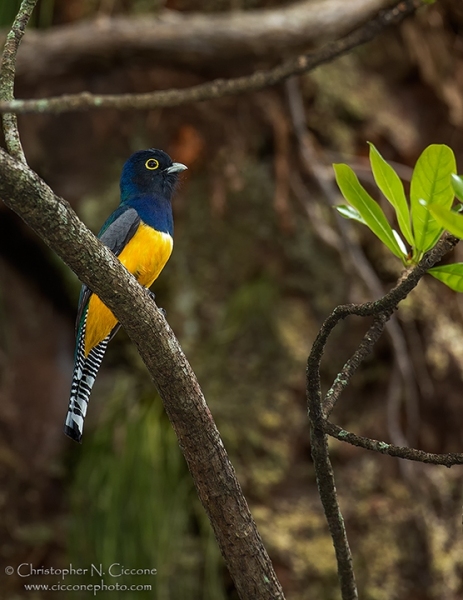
(349, 212)
(448, 219)
(431, 182)
(369, 210)
(457, 185)
(451, 275)
(389, 183)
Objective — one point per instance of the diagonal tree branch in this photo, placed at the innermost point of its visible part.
(219, 87)
(213, 474)
(53, 219)
(344, 376)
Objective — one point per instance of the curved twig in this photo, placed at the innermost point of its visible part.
(385, 305)
(381, 310)
(447, 460)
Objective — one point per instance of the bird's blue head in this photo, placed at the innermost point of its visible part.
(149, 173)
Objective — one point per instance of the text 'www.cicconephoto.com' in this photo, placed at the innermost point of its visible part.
(107, 578)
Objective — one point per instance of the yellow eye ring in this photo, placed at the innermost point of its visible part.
(152, 164)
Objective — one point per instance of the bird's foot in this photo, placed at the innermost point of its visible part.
(153, 296)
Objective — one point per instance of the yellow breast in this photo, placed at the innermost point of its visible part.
(144, 256)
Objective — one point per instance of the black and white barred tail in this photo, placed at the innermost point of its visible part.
(85, 371)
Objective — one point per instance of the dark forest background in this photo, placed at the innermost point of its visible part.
(259, 261)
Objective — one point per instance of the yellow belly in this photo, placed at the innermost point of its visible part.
(144, 256)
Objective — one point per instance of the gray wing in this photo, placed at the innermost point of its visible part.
(117, 231)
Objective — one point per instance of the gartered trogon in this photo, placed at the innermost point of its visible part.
(140, 233)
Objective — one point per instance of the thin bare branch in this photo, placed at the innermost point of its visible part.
(219, 87)
(328, 495)
(381, 310)
(344, 376)
(7, 74)
(447, 460)
(387, 303)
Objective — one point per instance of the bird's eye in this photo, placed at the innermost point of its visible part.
(152, 164)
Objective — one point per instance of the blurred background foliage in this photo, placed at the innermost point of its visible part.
(259, 261)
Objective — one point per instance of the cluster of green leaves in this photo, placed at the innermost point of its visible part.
(434, 187)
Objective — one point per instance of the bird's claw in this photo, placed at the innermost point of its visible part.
(153, 296)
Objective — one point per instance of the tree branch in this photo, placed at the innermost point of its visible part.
(344, 376)
(53, 219)
(192, 40)
(214, 476)
(387, 303)
(7, 75)
(447, 460)
(219, 87)
(328, 495)
(382, 310)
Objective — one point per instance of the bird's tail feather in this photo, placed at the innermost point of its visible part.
(85, 371)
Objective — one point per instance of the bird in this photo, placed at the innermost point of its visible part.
(140, 233)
